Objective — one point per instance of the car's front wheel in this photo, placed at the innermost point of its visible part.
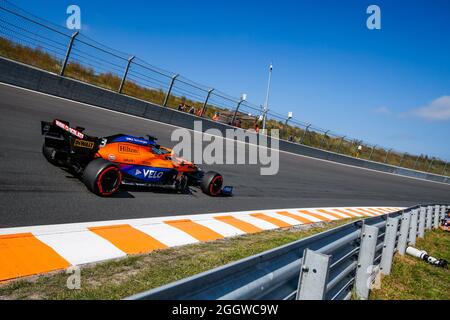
(102, 177)
(212, 183)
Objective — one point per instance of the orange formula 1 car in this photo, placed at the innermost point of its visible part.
(104, 164)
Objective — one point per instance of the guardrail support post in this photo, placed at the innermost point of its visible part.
(206, 102)
(313, 276)
(429, 218)
(122, 83)
(436, 216)
(445, 168)
(413, 227)
(422, 215)
(236, 111)
(69, 49)
(304, 133)
(365, 261)
(389, 245)
(404, 231)
(166, 99)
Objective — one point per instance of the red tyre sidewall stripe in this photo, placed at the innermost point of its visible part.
(211, 185)
(99, 185)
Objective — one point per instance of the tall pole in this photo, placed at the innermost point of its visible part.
(206, 102)
(172, 81)
(69, 49)
(127, 68)
(266, 103)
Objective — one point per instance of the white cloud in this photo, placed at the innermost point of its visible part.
(437, 110)
(383, 110)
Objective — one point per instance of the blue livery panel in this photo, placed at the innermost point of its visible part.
(146, 174)
(135, 140)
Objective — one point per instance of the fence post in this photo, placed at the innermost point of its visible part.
(431, 164)
(445, 168)
(166, 99)
(387, 155)
(236, 111)
(338, 150)
(422, 215)
(304, 133)
(313, 276)
(404, 231)
(389, 245)
(206, 102)
(413, 227)
(122, 83)
(371, 152)
(443, 212)
(429, 217)
(402, 159)
(69, 49)
(365, 261)
(323, 139)
(416, 162)
(436, 216)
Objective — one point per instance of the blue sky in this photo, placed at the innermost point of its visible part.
(389, 87)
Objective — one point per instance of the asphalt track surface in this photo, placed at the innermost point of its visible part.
(33, 192)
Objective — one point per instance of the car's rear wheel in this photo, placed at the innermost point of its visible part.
(212, 183)
(102, 177)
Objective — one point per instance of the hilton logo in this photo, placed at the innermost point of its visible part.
(123, 148)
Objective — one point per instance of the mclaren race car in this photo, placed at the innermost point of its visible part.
(104, 164)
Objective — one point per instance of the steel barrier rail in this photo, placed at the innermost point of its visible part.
(338, 259)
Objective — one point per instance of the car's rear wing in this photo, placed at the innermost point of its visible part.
(59, 133)
(62, 125)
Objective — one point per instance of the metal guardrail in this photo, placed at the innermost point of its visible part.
(332, 265)
(76, 56)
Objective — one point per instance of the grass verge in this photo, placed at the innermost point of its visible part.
(414, 279)
(121, 278)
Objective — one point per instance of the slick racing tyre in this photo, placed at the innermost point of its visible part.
(102, 177)
(212, 183)
(49, 154)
